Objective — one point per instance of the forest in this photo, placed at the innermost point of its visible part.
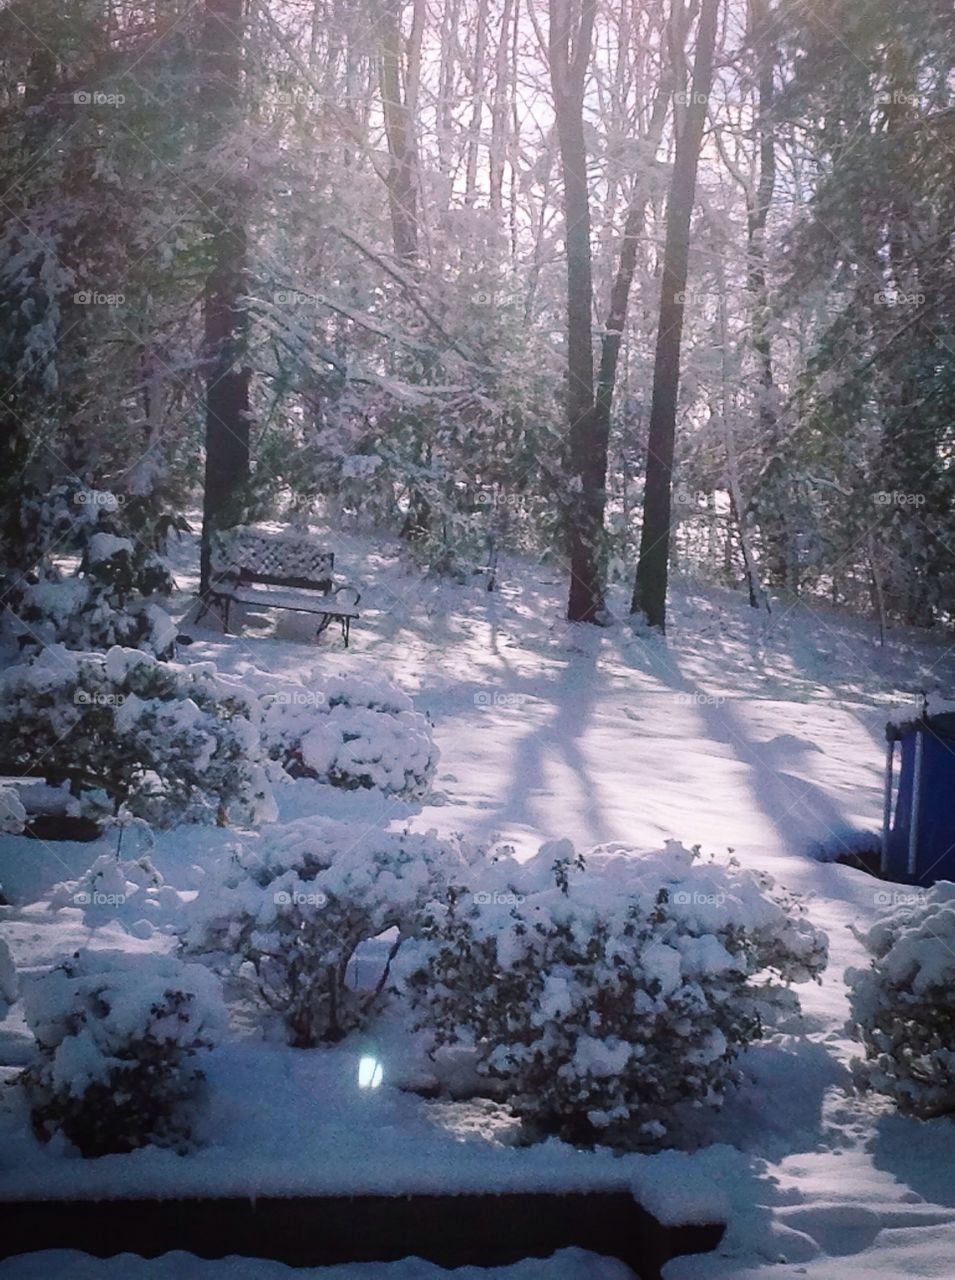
(641, 287)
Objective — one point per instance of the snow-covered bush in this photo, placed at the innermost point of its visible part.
(132, 891)
(600, 994)
(170, 742)
(116, 1036)
(292, 909)
(111, 599)
(13, 815)
(8, 980)
(901, 1006)
(351, 733)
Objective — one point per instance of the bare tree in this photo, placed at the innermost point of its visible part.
(570, 37)
(399, 77)
(650, 587)
(227, 372)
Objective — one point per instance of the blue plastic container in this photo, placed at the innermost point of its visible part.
(918, 836)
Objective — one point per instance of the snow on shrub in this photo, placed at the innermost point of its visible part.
(13, 815)
(901, 1005)
(351, 733)
(599, 994)
(171, 743)
(293, 908)
(132, 891)
(112, 597)
(8, 980)
(117, 1035)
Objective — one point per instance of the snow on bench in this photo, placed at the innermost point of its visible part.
(281, 571)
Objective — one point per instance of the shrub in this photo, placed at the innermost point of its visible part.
(351, 733)
(599, 998)
(295, 907)
(116, 1038)
(168, 741)
(131, 891)
(8, 980)
(111, 599)
(901, 1005)
(13, 815)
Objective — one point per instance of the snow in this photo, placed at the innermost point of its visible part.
(12, 813)
(349, 732)
(103, 546)
(680, 1188)
(568, 1264)
(928, 705)
(761, 735)
(8, 980)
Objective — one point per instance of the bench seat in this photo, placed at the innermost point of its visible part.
(282, 598)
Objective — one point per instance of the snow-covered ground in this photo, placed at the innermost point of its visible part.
(569, 1264)
(760, 735)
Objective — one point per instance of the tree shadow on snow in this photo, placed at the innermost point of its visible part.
(573, 694)
(801, 812)
(918, 1153)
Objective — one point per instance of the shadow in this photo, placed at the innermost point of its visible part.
(917, 1153)
(801, 813)
(573, 694)
(777, 1108)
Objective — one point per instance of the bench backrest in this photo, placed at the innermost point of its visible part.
(276, 559)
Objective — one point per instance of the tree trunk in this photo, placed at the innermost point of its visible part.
(650, 588)
(226, 319)
(477, 104)
(398, 99)
(612, 337)
(773, 522)
(569, 43)
(499, 107)
(397, 107)
(737, 506)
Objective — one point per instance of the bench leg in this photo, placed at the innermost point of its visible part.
(325, 622)
(346, 627)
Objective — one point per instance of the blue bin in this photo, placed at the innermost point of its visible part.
(918, 835)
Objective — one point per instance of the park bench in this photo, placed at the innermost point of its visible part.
(281, 571)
